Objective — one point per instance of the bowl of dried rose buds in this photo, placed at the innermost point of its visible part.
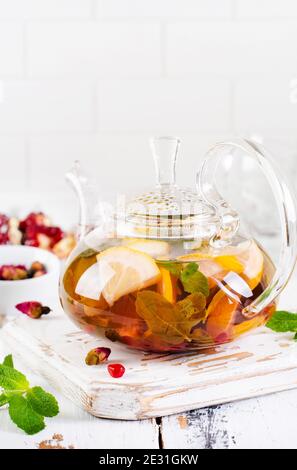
(26, 273)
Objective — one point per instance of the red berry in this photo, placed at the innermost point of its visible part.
(116, 370)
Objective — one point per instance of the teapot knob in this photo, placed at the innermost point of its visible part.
(229, 219)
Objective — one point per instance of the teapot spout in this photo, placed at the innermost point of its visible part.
(87, 197)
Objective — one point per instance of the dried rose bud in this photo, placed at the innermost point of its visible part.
(13, 273)
(37, 266)
(34, 219)
(33, 309)
(3, 220)
(4, 238)
(97, 356)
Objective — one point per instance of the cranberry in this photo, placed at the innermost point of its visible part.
(116, 370)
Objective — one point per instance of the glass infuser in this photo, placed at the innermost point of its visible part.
(170, 270)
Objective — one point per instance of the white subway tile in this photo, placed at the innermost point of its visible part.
(264, 105)
(11, 49)
(267, 9)
(36, 106)
(45, 9)
(113, 159)
(164, 8)
(13, 175)
(109, 158)
(163, 105)
(93, 49)
(232, 49)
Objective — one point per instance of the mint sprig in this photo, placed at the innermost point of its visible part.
(283, 322)
(27, 405)
(191, 278)
(23, 415)
(8, 361)
(194, 280)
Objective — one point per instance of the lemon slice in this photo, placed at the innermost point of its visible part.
(253, 261)
(132, 270)
(153, 248)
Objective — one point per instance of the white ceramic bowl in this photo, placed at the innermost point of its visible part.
(42, 289)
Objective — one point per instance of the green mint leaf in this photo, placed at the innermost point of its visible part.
(173, 268)
(8, 361)
(283, 321)
(23, 415)
(3, 399)
(295, 337)
(42, 402)
(12, 379)
(194, 280)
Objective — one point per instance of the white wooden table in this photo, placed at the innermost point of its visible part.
(266, 422)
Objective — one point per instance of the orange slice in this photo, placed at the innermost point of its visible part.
(245, 259)
(165, 286)
(123, 271)
(248, 325)
(220, 315)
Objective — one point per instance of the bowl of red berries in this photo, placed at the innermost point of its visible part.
(30, 252)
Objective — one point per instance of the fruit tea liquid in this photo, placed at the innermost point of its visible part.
(152, 296)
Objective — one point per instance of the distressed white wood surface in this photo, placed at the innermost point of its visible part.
(153, 385)
(74, 427)
(267, 422)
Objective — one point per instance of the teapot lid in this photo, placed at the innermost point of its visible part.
(168, 211)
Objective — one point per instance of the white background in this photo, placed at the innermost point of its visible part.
(93, 79)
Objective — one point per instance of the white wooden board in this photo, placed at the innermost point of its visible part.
(154, 385)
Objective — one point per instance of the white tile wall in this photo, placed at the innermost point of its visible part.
(267, 9)
(163, 105)
(48, 9)
(50, 106)
(164, 8)
(11, 49)
(264, 106)
(91, 49)
(232, 49)
(93, 79)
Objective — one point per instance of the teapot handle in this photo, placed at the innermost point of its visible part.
(229, 219)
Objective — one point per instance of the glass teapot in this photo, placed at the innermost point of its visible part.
(170, 270)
